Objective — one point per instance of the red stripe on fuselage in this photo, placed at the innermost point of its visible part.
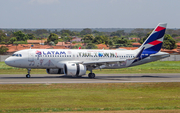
(156, 42)
(159, 28)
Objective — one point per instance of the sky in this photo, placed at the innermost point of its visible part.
(89, 13)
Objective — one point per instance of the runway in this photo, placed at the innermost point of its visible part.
(100, 78)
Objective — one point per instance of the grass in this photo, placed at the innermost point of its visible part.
(89, 97)
(153, 67)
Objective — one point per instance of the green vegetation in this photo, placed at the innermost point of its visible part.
(169, 42)
(77, 46)
(3, 49)
(89, 97)
(52, 38)
(153, 67)
(95, 36)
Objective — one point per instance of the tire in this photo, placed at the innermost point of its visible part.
(28, 76)
(91, 75)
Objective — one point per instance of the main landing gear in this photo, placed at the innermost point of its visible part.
(91, 75)
(28, 75)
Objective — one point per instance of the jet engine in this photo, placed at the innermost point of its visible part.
(54, 71)
(74, 69)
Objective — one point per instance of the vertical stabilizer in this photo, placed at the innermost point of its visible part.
(154, 42)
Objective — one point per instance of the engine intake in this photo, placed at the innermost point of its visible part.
(74, 69)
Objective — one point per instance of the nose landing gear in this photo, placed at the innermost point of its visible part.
(28, 75)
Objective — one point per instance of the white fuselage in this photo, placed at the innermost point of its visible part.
(56, 58)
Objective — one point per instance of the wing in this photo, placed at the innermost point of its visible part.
(95, 64)
(127, 62)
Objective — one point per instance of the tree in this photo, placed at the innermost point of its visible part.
(174, 35)
(98, 40)
(91, 46)
(52, 37)
(3, 49)
(101, 39)
(97, 33)
(12, 40)
(169, 42)
(2, 40)
(2, 37)
(40, 31)
(52, 43)
(88, 38)
(31, 36)
(123, 42)
(65, 32)
(118, 33)
(77, 46)
(115, 38)
(86, 31)
(111, 43)
(20, 36)
(67, 39)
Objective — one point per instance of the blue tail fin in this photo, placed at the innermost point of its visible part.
(154, 42)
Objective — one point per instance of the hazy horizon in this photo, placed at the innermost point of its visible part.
(53, 14)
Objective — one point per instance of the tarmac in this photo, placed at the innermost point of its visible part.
(100, 78)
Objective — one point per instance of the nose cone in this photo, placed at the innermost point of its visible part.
(8, 61)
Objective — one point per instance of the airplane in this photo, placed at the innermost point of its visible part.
(75, 62)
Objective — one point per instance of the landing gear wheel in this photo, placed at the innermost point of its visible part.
(28, 76)
(91, 75)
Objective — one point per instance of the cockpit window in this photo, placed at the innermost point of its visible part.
(17, 55)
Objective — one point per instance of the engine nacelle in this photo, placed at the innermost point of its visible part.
(54, 71)
(74, 69)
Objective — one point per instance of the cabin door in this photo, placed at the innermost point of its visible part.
(31, 56)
